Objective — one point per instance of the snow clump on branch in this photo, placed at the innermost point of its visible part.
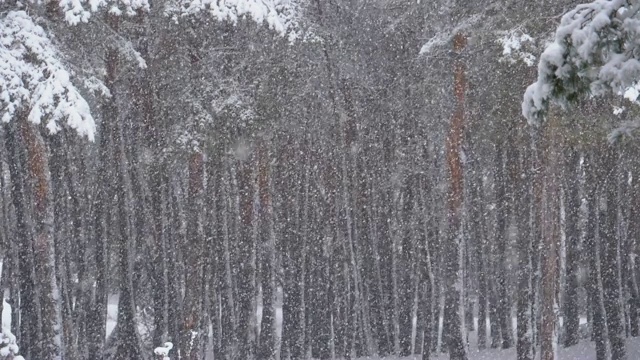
(33, 79)
(280, 15)
(595, 51)
(77, 11)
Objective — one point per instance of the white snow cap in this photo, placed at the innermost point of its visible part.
(33, 78)
(164, 350)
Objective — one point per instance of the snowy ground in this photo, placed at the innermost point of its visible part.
(583, 351)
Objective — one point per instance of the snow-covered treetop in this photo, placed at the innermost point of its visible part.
(280, 15)
(595, 50)
(33, 79)
(76, 11)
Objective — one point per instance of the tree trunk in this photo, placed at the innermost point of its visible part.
(453, 311)
(268, 344)
(17, 156)
(571, 315)
(244, 183)
(427, 296)
(525, 217)
(128, 341)
(294, 308)
(194, 249)
(592, 244)
(634, 240)
(229, 318)
(502, 218)
(43, 245)
(610, 259)
(550, 237)
(478, 230)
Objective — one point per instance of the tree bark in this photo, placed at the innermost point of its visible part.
(128, 342)
(453, 311)
(502, 218)
(525, 217)
(28, 306)
(571, 315)
(610, 259)
(550, 237)
(193, 250)
(593, 245)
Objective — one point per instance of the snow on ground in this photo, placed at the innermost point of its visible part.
(583, 351)
(112, 318)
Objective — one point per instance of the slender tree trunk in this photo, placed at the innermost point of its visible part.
(174, 283)
(408, 248)
(481, 244)
(78, 242)
(268, 260)
(502, 203)
(17, 156)
(634, 239)
(453, 312)
(536, 206)
(319, 324)
(570, 310)
(592, 245)
(128, 340)
(523, 198)
(152, 129)
(379, 300)
(244, 183)
(64, 244)
(610, 258)
(426, 298)
(104, 194)
(294, 309)
(229, 322)
(550, 238)
(194, 249)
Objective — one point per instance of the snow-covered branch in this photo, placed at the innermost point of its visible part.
(33, 79)
(77, 11)
(513, 47)
(280, 15)
(596, 50)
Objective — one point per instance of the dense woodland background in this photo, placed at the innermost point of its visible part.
(329, 180)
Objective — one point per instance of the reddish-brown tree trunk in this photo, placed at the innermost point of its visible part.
(452, 268)
(43, 243)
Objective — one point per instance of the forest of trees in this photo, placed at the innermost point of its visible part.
(288, 179)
